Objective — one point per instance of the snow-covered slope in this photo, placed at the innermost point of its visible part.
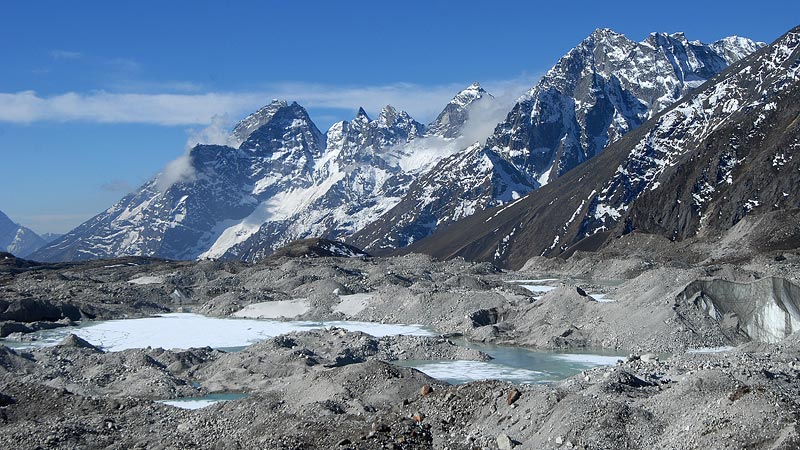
(602, 89)
(725, 151)
(17, 239)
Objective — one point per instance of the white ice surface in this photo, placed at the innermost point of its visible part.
(710, 349)
(147, 280)
(183, 330)
(478, 370)
(190, 404)
(534, 281)
(601, 298)
(537, 289)
(592, 360)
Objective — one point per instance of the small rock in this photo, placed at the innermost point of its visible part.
(426, 389)
(77, 342)
(559, 440)
(649, 358)
(343, 442)
(418, 417)
(513, 395)
(380, 427)
(504, 442)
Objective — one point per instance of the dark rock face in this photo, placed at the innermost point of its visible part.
(33, 310)
(318, 248)
(720, 154)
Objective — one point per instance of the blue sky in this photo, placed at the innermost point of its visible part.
(96, 97)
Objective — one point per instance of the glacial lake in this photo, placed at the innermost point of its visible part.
(201, 402)
(185, 330)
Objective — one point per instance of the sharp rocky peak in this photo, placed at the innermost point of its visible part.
(471, 93)
(604, 33)
(286, 120)
(449, 123)
(389, 116)
(362, 115)
(254, 121)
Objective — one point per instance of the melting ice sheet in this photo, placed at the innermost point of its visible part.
(182, 330)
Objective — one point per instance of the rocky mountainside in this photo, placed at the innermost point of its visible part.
(722, 153)
(16, 239)
(284, 181)
(605, 87)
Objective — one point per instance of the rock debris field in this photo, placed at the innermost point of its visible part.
(702, 371)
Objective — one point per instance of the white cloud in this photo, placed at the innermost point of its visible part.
(65, 54)
(181, 168)
(104, 107)
(422, 102)
(216, 133)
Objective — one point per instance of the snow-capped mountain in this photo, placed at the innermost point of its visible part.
(218, 189)
(16, 239)
(357, 178)
(285, 181)
(367, 170)
(725, 151)
(602, 89)
(389, 181)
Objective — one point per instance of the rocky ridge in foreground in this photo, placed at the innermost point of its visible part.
(745, 398)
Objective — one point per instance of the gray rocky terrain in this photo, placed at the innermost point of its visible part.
(331, 388)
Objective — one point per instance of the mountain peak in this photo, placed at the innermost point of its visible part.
(292, 120)
(600, 33)
(388, 116)
(254, 121)
(16, 239)
(362, 115)
(469, 94)
(475, 86)
(450, 121)
(733, 48)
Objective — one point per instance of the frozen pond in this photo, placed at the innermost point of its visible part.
(541, 286)
(515, 364)
(183, 330)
